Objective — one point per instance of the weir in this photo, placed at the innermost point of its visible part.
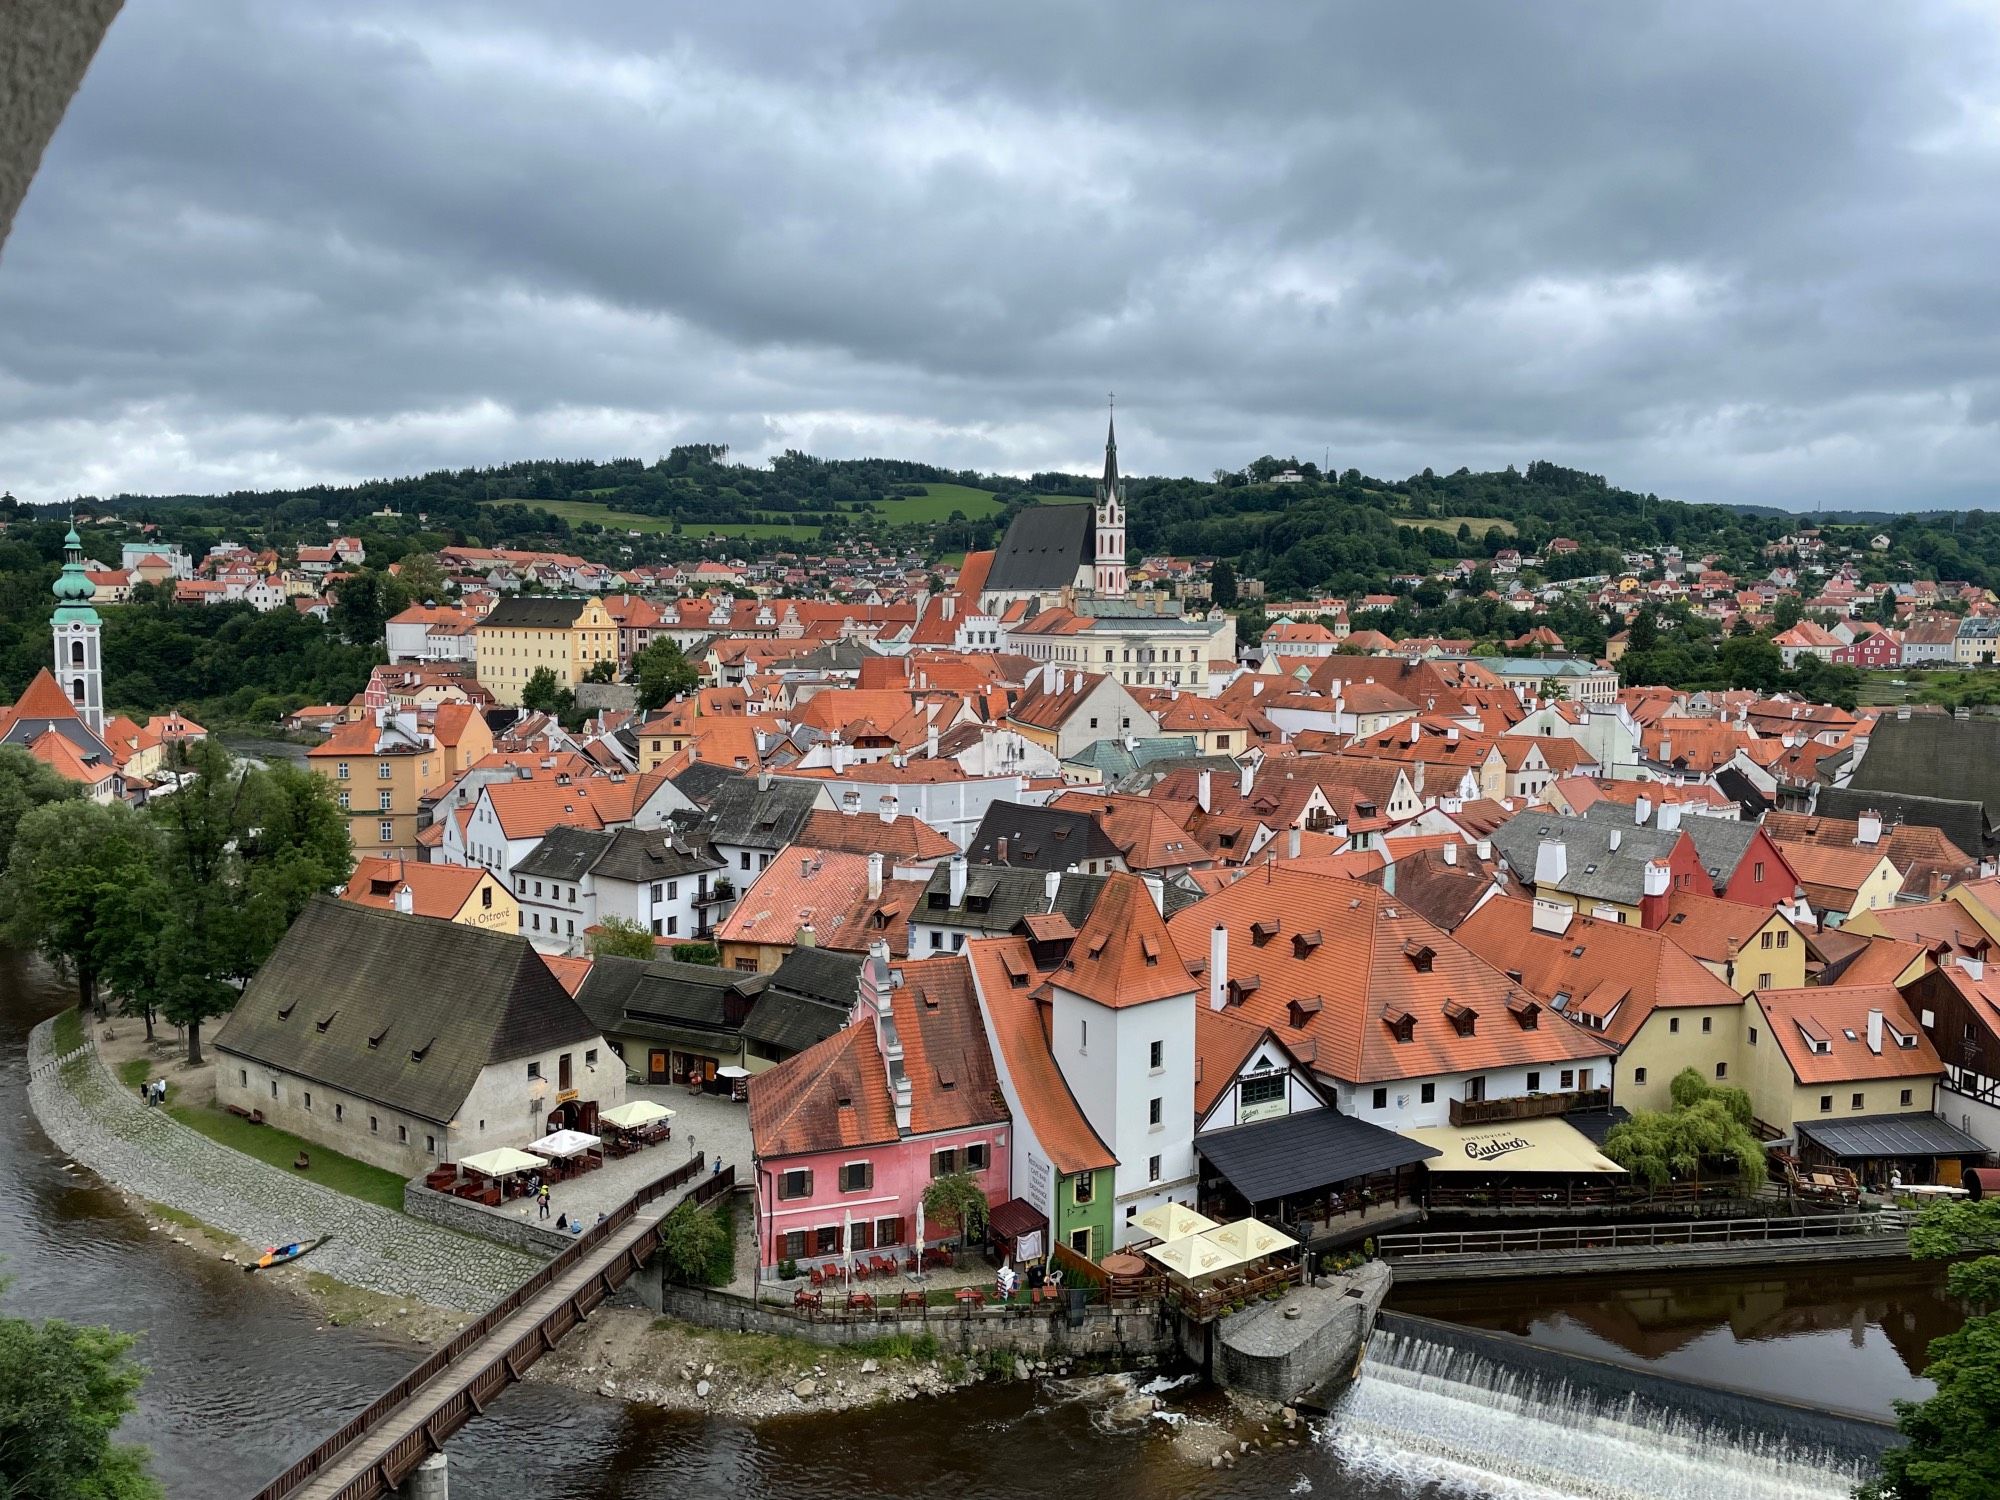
(1450, 1404)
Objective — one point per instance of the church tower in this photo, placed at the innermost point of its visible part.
(1109, 581)
(79, 659)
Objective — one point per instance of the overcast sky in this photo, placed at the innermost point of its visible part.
(1721, 252)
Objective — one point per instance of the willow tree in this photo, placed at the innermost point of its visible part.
(1706, 1124)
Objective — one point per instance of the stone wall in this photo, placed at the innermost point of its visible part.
(1307, 1340)
(428, 1204)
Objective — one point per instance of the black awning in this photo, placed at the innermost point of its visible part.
(1891, 1135)
(1597, 1123)
(1305, 1152)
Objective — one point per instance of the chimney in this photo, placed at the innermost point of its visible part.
(1551, 862)
(875, 876)
(1204, 782)
(1294, 840)
(1612, 841)
(806, 937)
(1658, 877)
(1451, 735)
(1051, 888)
(1218, 967)
(1642, 809)
(406, 901)
(930, 742)
(1000, 850)
(1875, 1032)
(1868, 828)
(1484, 849)
(957, 886)
(1244, 774)
(1157, 889)
(887, 807)
(763, 778)
(1669, 818)
(1551, 916)
(1451, 853)
(850, 802)
(1666, 747)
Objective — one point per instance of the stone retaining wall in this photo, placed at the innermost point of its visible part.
(433, 1207)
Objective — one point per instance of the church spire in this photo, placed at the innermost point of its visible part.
(1111, 450)
(1108, 576)
(78, 650)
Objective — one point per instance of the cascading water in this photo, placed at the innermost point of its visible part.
(1438, 1413)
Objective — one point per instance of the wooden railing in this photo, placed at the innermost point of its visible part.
(1526, 1106)
(506, 1366)
(1489, 1242)
(1202, 1303)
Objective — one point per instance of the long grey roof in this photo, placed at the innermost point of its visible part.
(1010, 894)
(642, 854)
(1935, 755)
(1720, 843)
(565, 854)
(820, 974)
(791, 1023)
(702, 780)
(1892, 1135)
(1596, 871)
(401, 1010)
(534, 612)
(740, 813)
(1961, 821)
(1038, 838)
(1301, 1153)
(1043, 548)
(634, 996)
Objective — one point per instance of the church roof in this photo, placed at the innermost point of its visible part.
(1044, 547)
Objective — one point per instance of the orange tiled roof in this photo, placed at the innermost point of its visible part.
(905, 837)
(1800, 1018)
(1007, 978)
(435, 890)
(833, 1094)
(1123, 955)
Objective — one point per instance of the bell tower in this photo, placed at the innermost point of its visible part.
(1109, 579)
(79, 662)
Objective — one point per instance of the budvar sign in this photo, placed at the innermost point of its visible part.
(1487, 1148)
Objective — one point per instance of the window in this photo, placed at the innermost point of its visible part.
(1722, 1070)
(342, 800)
(1379, 1099)
(1269, 1089)
(1083, 1188)
(797, 1183)
(374, 1125)
(829, 1239)
(888, 1232)
(309, 1099)
(1152, 1169)
(403, 1134)
(944, 1163)
(343, 771)
(1082, 1034)
(1763, 981)
(1475, 1089)
(1154, 1116)
(1757, 872)
(339, 1112)
(388, 831)
(978, 1156)
(1856, 1100)
(1753, 1036)
(1157, 1056)
(1784, 940)
(1568, 1078)
(486, 897)
(1674, 1024)
(795, 1244)
(1905, 1098)
(746, 859)
(381, 770)
(535, 919)
(1428, 1093)
(534, 1070)
(431, 1144)
(1535, 1082)
(1826, 1104)
(1079, 1241)
(590, 1057)
(274, 1088)
(857, 1177)
(1707, 1025)
(1638, 1075)
(243, 1077)
(383, 800)
(1769, 939)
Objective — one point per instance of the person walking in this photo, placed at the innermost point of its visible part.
(542, 1198)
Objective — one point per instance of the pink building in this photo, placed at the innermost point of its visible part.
(860, 1124)
(1880, 649)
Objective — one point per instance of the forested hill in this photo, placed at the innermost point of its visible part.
(1343, 532)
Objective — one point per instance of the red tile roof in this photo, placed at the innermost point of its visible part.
(1799, 1018)
(1123, 955)
(1007, 978)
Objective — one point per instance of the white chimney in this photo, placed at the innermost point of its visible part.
(1294, 839)
(1658, 878)
(1669, 818)
(406, 901)
(1451, 735)
(1451, 853)
(1551, 916)
(875, 876)
(1551, 862)
(930, 742)
(888, 806)
(1868, 828)
(1218, 967)
(1244, 773)
(1642, 809)
(1613, 840)
(1875, 1032)
(957, 868)
(763, 778)
(839, 756)
(1975, 968)
(1204, 782)
(1484, 849)
(1157, 889)
(1051, 888)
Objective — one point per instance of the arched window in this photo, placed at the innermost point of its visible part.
(76, 691)
(76, 653)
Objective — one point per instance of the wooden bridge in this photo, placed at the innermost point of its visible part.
(1480, 1254)
(374, 1452)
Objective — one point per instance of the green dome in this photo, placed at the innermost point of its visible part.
(71, 586)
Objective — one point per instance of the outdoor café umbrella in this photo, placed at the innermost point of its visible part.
(1173, 1221)
(564, 1143)
(1249, 1240)
(920, 1232)
(503, 1162)
(636, 1114)
(847, 1247)
(1193, 1255)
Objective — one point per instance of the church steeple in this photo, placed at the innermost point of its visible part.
(1108, 580)
(78, 631)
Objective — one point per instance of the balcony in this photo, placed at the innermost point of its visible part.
(1526, 1106)
(716, 894)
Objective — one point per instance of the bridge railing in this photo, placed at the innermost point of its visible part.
(1586, 1237)
(482, 1327)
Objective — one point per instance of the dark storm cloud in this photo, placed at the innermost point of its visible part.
(1724, 253)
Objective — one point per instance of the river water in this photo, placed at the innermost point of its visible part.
(241, 1379)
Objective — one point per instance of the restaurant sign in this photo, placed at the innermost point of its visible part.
(1492, 1147)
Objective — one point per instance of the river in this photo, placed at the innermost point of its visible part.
(241, 1378)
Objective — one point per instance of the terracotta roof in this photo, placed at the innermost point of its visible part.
(953, 1083)
(570, 972)
(1221, 1044)
(1881, 961)
(1706, 925)
(1831, 876)
(1122, 955)
(1006, 977)
(435, 890)
(1918, 850)
(1824, 1034)
(906, 837)
(1934, 925)
(43, 698)
(835, 1093)
(61, 756)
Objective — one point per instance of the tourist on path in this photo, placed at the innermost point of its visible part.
(542, 1198)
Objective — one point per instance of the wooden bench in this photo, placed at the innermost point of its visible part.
(302, 1162)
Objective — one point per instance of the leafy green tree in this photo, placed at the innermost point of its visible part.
(1706, 1125)
(64, 1389)
(696, 1246)
(25, 784)
(1787, 612)
(71, 861)
(420, 577)
(619, 937)
(1645, 634)
(663, 674)
(956, 1202)
(1951, 1442)
(542, 693)
(1752, 661)
(697, 953)
(1222, 582)
(364, 601)
(604, 669)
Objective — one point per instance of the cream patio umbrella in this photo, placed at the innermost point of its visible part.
(636, 1114)
(1192, 1256)
(503, 1162)
(1172, 1221)
(1249, 1240)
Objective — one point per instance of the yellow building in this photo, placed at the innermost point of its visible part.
(1832, 1054)
(1746, 947)
(466, 894)
(526, 633)
(1981, 900)
(379, 771)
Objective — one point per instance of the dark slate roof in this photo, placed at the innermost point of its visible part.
(635, 997)
(1719, 843)
(534, 612)
(820, 974)
(1010, 895)
(791, 1022)
(1043, 548)
(1741, 790)
(565, 854)
(739, 813)
(1964, 823)
(1596, 871)
(1305, 1152)
(1934, 755)
(1597, 1123)
(702, 780)
(1038, 838)
(643, 854)
(438, 1000)
(1892, 1135)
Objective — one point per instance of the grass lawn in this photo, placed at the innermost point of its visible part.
(937, 503)
(329, 1168)
(574, 511)
(1480, 524)
(68, 1033)
(134, 1071)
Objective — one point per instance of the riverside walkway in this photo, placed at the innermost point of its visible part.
(1690, 1244)
(375, 1451)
